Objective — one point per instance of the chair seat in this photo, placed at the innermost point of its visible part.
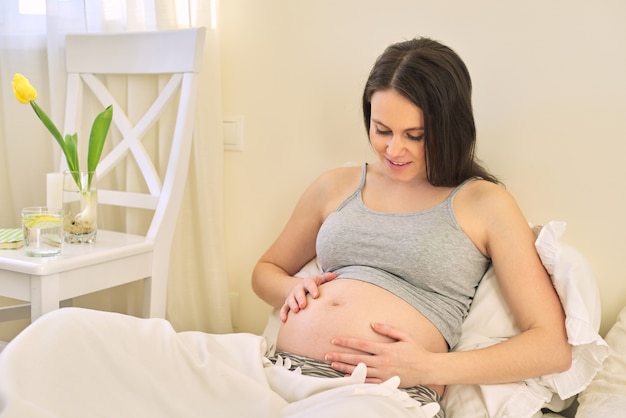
(116, 259)
(110, 245)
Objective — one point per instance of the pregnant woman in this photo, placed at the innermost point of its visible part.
(404, 241)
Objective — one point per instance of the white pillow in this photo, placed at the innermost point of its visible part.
(490, 321)
(606, 395)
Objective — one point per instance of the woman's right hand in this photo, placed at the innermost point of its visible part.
(297, 298)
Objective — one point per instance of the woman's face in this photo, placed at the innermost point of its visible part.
(397, 135)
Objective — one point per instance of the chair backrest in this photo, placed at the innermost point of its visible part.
(173, 57)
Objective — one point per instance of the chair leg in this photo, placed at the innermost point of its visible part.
(155, 295)
(44, 292)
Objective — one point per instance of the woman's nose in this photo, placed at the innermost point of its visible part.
(395, 146)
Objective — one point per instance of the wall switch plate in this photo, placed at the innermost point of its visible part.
(232, 128)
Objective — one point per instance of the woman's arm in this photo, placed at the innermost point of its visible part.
(272, 277)
(492, 219)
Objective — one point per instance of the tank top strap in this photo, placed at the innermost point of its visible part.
(460, 186)
(448, 202)
(363, 175)
(357, 191)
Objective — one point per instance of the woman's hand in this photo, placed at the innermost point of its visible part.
(297, 298)
(402, 357)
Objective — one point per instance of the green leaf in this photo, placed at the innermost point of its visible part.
(71, 156)
(98, 135)
(48, 124)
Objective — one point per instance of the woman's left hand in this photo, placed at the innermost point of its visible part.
(401, 357)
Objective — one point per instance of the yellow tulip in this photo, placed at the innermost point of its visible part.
(24, 91)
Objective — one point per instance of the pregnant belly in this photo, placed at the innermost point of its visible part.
(347, 308)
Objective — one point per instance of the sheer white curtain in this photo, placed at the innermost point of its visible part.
(33, 44)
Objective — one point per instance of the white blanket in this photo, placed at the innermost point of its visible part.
(83, 363)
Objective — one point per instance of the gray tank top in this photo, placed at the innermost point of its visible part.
(424, 258)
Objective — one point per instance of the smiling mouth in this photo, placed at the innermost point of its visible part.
(396, 163)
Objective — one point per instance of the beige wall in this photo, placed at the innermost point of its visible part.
(549, 98)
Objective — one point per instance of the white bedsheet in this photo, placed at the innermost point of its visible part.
(83, 363)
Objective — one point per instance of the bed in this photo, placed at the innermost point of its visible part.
(76, 362)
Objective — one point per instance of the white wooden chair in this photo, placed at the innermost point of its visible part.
(118, 258)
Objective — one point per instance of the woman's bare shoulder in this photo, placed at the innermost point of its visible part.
(484, 210)
(338, 181)
(485, 196)
(328, 190)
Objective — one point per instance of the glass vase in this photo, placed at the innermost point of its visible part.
(80, 202)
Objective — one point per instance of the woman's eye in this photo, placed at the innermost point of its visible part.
(387, 132)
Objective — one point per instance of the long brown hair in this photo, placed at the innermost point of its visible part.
(436, 80)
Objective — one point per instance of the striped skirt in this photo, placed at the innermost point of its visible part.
(318, 368)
